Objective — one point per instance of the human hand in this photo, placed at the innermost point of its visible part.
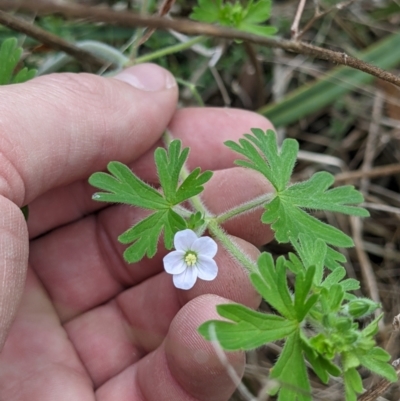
(86, 325)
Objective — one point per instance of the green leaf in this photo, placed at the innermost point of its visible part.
(286, 211)
(250, 329)
(271, 283)
(289, 221)
(372, 328)
(234, 15)
(333, 259)
(206, 11)
(376, 360)
(322, 366)
(24, 75)
(146, 233)
(290, 370)
(169, 166)
(335, 297)
(302, 287)
(121, 185)
(352, 384)
(275, 164)
(258, 12)
(294, 264)
(313, 194)
(10, 55)
(312, 253)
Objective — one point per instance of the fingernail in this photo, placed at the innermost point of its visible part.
(147, 77)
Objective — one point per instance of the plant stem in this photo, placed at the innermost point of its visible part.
(232, 248)
(168, 50)
(245, 207)
(193, 89)
(182, 211)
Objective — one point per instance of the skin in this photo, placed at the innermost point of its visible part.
(76, 321)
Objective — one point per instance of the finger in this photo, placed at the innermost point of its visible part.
(58, 129)
(13, 262)
(202, 129)
(83, 265)
(136, 322)
(38, 361)
(61, 128)
(185, 366)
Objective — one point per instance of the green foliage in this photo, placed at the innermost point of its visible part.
(246, 18)
(252, 328)
(290, 370)
(10, 55)
(286, 213)
(315, 316)
(122, 186)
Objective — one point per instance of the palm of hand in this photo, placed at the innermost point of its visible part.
(90, 326)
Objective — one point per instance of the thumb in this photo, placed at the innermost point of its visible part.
(60, 128)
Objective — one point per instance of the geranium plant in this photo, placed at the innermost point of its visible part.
(318, 317)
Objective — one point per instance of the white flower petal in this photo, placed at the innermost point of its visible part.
(174, 263)
(205, 246)
(185, 280)
(207, 268)
(184, 239)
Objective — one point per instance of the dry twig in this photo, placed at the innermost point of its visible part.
(375, 172)
(295, 25)
(194, 28)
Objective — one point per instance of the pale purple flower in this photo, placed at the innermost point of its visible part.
(192, 259)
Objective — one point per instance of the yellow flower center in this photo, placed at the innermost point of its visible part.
(190, 258)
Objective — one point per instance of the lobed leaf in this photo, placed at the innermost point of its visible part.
(145, 234)
(10, 55)
(275, 164)
(271, 283)
(352, 384)
(250, 329)
(290, 370)
(314, 194)
(377, 360)
(206, 11)
(289, 221)
(304, 282)
(123, 186)
(322, 366)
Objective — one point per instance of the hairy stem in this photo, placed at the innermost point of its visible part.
(245, 207)
(231, 247)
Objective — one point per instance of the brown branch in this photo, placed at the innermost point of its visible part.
(128, 19)
(49, 39)
(381, 171)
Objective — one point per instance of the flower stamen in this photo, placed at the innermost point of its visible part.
(190, 258)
